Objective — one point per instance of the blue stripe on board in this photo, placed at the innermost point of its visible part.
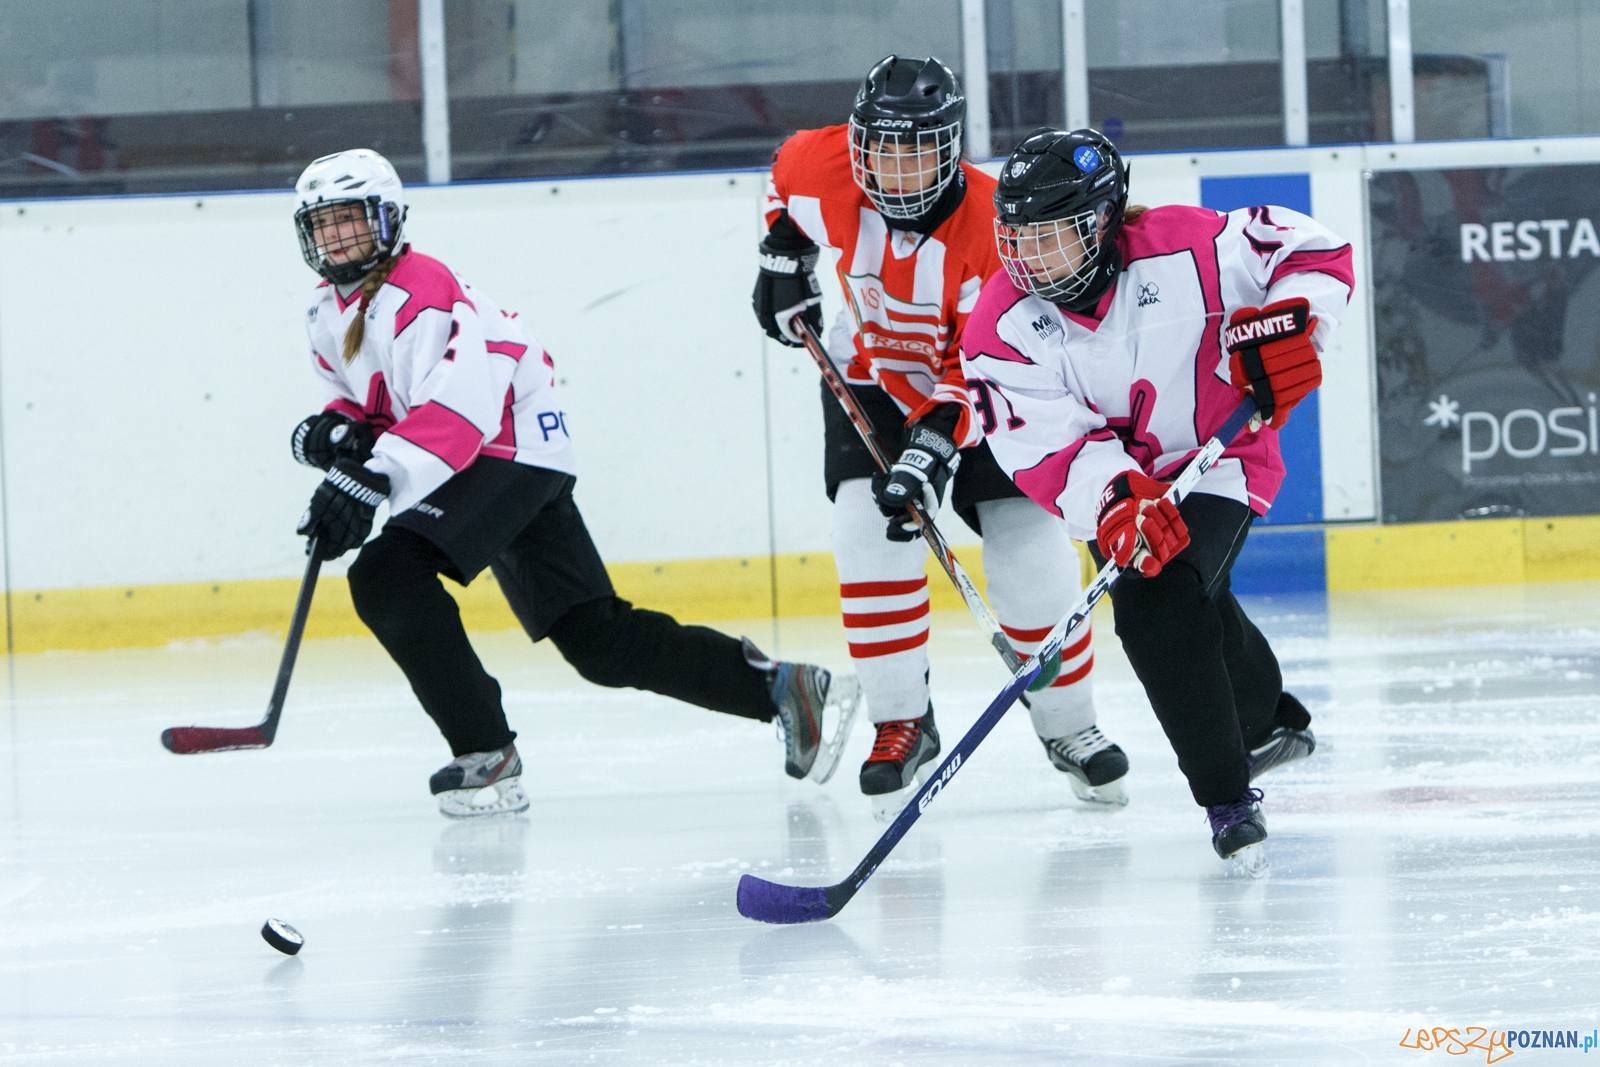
(1281, 561)
(1300, 499)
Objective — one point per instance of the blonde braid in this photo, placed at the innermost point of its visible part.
(370, 285)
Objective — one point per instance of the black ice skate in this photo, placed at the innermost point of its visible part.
(1094, 765)
(1291, 740)
(1238, 829)
(480, 783)
(901, 759)
(803, 694)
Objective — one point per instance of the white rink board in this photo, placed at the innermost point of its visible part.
(152, 361)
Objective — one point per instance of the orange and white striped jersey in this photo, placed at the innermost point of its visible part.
(907, 297)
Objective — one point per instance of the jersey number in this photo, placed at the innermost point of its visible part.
(983, 392)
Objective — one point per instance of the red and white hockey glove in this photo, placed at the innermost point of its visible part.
(1272, 358)
(1139, 527)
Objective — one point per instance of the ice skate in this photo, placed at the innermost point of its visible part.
(1284, 746)
(804, 695)
(480, 783)
(1292, 739)
(1095, 767)
(1238, 830)
(903, 756)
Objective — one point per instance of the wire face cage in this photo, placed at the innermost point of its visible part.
(904, 172)
(1055, 259)
(344, 239)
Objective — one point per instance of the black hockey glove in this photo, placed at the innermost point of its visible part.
(328, 436)
(341, 510)
(787, 285)
(927, 461)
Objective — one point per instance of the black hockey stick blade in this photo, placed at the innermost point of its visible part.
(187, 740)
(773, 902)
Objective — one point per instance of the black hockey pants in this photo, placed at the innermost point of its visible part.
(1209, 673)
(397, 592)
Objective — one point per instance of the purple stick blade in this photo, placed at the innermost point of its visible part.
(769, 902)
(185, 740)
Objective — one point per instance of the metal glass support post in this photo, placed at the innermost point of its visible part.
(1402, 93)
(1074, 64)
(975, 79)
(435, 90)
(1296, 109)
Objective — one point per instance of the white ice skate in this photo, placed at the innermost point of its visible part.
(480, 783)
(1095, 768)
(844, 702)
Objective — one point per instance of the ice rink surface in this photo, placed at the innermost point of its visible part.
(1436, 863)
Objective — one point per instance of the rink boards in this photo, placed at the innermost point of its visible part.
(152, 363)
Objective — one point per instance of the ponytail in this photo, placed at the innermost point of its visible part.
(370, 285)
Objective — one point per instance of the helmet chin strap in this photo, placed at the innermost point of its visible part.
(1106, 271)
(942, 208)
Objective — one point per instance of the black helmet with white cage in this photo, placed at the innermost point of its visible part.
(906, 123)
(1058, 207)
(364, 180)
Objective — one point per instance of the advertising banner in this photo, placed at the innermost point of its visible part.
(1487, 320)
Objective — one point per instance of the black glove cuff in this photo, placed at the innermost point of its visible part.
(1286, 318)
(1116, 489)
(928, 439)
(355, 480)
(785, 238)
(944, 419)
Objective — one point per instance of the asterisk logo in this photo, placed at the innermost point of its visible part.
(1443, 412)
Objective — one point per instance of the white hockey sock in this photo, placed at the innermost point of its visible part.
(1032, 571)
(883, 595)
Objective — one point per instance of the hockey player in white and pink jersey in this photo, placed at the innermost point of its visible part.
(912, 226)
(1114, 344)
(440, 403)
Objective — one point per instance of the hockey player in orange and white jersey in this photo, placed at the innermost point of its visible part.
(913, 229)
(438, 402)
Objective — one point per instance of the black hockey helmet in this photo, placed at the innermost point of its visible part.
(1058, 207)
(905, 135)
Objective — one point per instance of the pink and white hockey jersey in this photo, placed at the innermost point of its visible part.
(1070, 401)
(443, 375)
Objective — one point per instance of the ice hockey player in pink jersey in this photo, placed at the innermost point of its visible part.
(1114, 344)
(912, 225)
(441, 404)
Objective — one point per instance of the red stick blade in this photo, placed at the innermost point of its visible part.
(185, 740)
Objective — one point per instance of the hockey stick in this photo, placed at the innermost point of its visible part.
(930, 532)
(187, 739)
(772, 902)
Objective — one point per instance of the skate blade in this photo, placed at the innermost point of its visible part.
(886, 806)
(844, 697)
(502, 798)
(1110, 795)
(1250, 861)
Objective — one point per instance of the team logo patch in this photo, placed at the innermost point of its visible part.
(1019, 168)
(1087, 159)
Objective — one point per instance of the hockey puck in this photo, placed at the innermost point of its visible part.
(281, 936)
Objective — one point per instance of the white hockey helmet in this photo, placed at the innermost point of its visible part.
(361, 177)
